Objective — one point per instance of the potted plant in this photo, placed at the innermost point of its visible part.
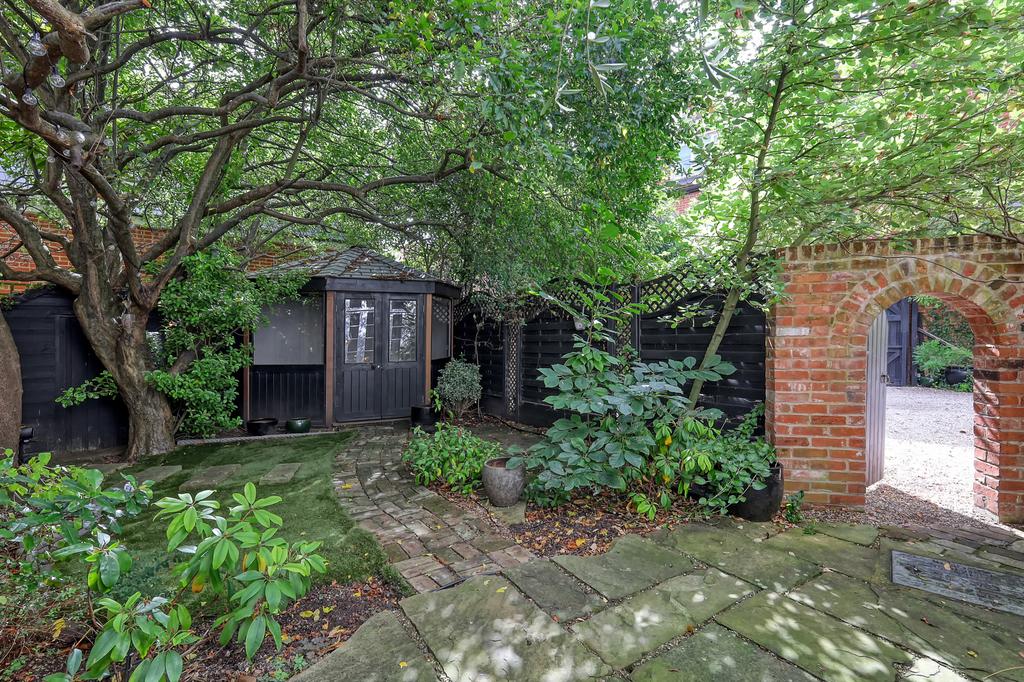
(762, 504)
(503, 484)
(426, 416)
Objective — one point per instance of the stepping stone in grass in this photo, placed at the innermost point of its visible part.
(379, 651)
(280, 474)
(157, 474)
(715, 653)
(106, 468)
(623, 634)
(631, 565)
(210, 477)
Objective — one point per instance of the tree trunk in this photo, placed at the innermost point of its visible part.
(119, 340)
(10, 379)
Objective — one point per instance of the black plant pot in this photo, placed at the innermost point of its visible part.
(424, 417)
(956, 375)
(298, 425)
(260, 427)
(762, 505)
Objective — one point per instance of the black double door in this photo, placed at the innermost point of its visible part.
(379, 355)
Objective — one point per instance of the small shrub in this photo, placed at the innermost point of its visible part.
(458, 387)
(791, 508)
(452, 455)
(933, 357)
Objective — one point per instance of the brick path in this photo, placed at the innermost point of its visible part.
(432, 542)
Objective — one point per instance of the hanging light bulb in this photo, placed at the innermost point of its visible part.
(50, 158)
(35, 46)
(78, 136)
(30, 98)
(62, 135)
(56, 80)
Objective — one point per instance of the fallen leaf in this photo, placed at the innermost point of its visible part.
(502, 589)
(973, 654)
(328, 609)
(58, 627)
(947, 566)
(580, 542)
(403, 664)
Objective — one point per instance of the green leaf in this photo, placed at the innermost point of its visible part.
(110, 569)
(173, 666)
(254, 637)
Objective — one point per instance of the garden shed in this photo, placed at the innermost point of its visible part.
(362, 344)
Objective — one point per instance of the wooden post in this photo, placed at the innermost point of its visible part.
(429, 315)
(328, 358)
(246, 416)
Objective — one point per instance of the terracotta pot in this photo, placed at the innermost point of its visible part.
(503, 486)
(762, 505)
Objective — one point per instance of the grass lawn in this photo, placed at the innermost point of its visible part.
(310, 508)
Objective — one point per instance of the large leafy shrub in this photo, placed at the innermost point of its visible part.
(458, 387)
(933, 357)
(52, 514)
(452, 455)
(623, 417)
(196, 355)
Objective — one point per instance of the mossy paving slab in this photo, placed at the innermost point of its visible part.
(737, 554)
(849, 558)
(821, 645)
(631, 565)
(639, 625)
(210, 477)
(553, 590)
(485, 630)
(158, 473)
(715, 653)
(857, 533)
(379, 651)
(952, 633)
(280, 474)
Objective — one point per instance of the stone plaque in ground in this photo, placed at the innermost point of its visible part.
(485, 630)
(554, 591)
(280, 474)
(210, 477)
(821, 645)
(1002, 591)
(379, 651)
(631, 565)
(623, 634)
(157, 474)
(714, 653)
(736, 553)
(954, 633)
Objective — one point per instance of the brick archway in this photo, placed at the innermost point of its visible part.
(817, 358)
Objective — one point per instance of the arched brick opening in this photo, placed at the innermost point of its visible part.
(817, 358)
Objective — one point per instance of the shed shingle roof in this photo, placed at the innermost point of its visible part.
(356, 263)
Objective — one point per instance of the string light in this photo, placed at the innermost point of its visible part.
(30, 98)
(56, 80)
(78, 136)
(35, 46)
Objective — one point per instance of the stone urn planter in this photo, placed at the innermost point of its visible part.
(764, 504)
(503, 485)
(298, 425)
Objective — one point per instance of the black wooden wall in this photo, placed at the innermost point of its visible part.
(287, 392)
(55, 355)
(522, 349)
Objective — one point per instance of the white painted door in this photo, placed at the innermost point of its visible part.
(874, 450)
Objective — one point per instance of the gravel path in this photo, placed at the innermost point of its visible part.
(929, 464)
(929, 446)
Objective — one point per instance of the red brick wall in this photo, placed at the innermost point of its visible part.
(21, 261)
(683, 202)
(817, 358)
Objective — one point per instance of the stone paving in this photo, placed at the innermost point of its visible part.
(432, 542)
(718, 601)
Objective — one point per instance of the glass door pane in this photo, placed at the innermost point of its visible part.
(359, 330)
(402, 330)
